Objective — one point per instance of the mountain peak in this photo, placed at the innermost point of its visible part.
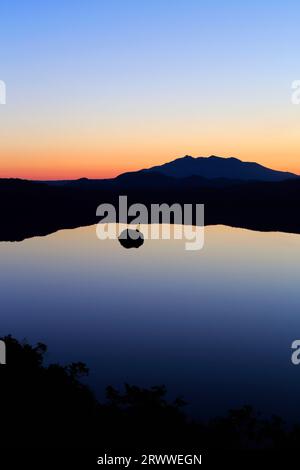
(224, 159)
(219, 167)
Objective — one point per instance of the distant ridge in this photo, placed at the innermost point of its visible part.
(31, 208)
(218, 167)
(210, 171)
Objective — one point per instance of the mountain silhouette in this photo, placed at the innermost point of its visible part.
(154, 179)
(233, 193)
(199, 172)
(219, 167)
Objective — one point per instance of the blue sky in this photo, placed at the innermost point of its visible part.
(97, 87)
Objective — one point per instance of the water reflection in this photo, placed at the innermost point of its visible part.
(214, 325)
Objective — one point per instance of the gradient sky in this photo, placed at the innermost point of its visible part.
(95, 87)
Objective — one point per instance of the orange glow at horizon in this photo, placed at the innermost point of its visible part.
(104, 88)
(111, 165)
(97, 170)
(71, 152)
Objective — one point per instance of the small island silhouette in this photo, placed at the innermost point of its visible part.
(131, 238)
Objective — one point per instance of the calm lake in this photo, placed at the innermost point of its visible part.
(215, 326)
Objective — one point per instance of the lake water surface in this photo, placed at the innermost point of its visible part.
(214, 326)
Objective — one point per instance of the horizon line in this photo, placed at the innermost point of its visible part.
(53, 179)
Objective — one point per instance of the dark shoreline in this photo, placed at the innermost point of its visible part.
(29, 209)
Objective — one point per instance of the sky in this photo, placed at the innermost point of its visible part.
(96, 88)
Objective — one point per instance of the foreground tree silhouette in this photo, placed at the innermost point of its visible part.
(49, 406)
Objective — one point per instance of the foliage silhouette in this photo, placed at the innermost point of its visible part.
(48, 406)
